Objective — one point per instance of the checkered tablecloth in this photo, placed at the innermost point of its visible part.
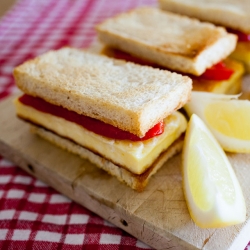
(33, 215)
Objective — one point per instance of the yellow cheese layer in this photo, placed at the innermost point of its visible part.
(135, 156)
(242, 54)
(230, 86)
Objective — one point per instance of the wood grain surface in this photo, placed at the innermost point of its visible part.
(5, 5)
(158, 216)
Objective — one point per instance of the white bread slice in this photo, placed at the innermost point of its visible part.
(173, 41)
(136, 182)
(131, 97)
(230, 13)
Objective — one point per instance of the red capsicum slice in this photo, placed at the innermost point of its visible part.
(242, 37)
(217, 72)
(89, 123)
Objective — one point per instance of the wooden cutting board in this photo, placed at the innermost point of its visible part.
(158, 216)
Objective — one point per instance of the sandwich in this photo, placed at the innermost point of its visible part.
(232, 14)
(178, 43)
(120, 116)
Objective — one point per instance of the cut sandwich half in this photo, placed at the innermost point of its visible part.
(232, 14)
(177, 43)
(121, 116)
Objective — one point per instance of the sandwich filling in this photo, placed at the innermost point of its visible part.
(136, 156)
(89, 123)
(220, 83)
(242, 50)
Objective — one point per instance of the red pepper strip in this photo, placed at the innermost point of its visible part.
(217, 72)
(242, 37)
(89, 123)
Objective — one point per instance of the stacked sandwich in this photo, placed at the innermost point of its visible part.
(119, 115)
(178, 43)
(232, 14)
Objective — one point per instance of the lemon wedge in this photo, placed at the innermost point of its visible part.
(212, 191)
(227, 117)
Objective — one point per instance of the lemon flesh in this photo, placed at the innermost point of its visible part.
(203, 151)
(227, 117)
(213, 194)
(231, 119)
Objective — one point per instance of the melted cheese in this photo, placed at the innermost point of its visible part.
(230, 86)
(135, 156)
(242, 54)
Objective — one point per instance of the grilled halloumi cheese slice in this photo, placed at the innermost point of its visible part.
(134, 156)
(242, 54)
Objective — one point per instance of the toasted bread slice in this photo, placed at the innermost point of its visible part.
(136, 182)
(229, 13)
(227, 86)
(173, 41)
(131, 97)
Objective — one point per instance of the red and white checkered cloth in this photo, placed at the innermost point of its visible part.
(33, 215)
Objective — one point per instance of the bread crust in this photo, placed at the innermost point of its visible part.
(136, 182)
(128, 96)
(230, 13)
(177, 42)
